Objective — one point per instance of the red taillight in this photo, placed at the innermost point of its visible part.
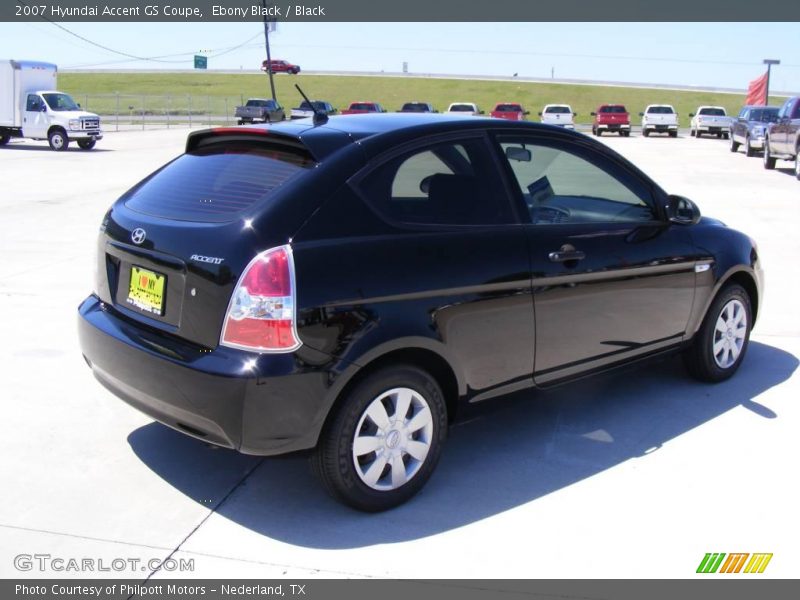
(261, 315)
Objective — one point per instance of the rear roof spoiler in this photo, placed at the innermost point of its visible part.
(202, 137)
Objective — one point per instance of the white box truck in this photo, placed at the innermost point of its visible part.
(30, 107)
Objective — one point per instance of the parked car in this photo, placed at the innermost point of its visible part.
(259, 110)
(783, 136)
(280, 66)
(31, 107)
(611, 118)
(417, 107)
(750, 128)
(346, 288)
(307, 110)
(511, 111)
(464, 108)
(359, 108)
(558, 114)
(713, 120)
(659, 118)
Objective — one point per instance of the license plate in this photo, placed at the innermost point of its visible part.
(146, 290)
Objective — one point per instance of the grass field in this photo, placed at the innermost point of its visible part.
(208, 88)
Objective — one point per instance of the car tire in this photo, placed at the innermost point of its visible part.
(734, 145)
(673, 134)
(748, 148)
(725, 136)
(691, 133)
(58, 140)
(797, 163)
(380, 470)
(645, 133)
(4, 138)
(720, 344)
(769, 160)
(86, 144)
(698, 134)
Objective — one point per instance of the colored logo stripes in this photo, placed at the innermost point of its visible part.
(717, 562)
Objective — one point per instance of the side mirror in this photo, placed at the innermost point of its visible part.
(480, 112)
(594, 114)
(681, 210)
(527, 112)
(42, 107)
(540, 114)
(79, 104)
(641, 114)
(574, 114)
(690, 114)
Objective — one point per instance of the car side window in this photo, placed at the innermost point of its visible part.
(796, 111)
(560, 187)
(34, 103)
(452, 183)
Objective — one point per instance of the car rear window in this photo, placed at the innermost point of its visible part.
(362, 106)
(612, 109)
(660, 110)
(217, 182)
(416, 107)
(558, 109)
(713, 112)
(462, 108)
(508, 108)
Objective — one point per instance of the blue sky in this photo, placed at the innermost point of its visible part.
(701, 54)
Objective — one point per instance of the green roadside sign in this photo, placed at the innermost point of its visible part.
(200, 62)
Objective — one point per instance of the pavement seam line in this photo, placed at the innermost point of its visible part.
(82, 537)
(213, 510)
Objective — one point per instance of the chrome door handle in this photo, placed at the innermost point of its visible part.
(566, 255)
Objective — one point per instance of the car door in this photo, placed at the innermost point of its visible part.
(739, 126)
(611, 280)
(456, 266)
(779, 130)
(34, 118)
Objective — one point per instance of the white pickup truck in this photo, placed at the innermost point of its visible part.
(558, 114)
(464, 108)
(711, 120)
(306, 110)
(30, 107)
(659, 118)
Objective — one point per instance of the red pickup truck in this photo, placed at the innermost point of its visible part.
(509, 110)
(611, 117)
(360, 108)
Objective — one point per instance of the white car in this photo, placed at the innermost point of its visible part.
(558, 114)
(659, 118)
(464, 108)
(711, 120)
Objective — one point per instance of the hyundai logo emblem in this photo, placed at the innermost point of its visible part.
(138, 235)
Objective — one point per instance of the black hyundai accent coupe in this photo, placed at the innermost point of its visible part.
(345, 285)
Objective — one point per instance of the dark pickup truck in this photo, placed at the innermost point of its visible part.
(259, 110)
(783, 136)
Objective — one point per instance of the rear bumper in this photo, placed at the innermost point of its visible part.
(660, 127)
(613, 126)
(255, 404)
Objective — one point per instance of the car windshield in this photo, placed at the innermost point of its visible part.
(714, 112)
(416, 107)
(613, 109)
(462, 108)
(558, 109)
(660, 110)
(764, 115)
(59, 102)
(508, 108)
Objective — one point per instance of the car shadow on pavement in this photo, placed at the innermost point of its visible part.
(46, 148)
(519, 450)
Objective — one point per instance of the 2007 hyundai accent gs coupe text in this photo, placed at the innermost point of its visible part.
(344, 285)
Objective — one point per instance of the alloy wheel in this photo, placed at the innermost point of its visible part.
(730, 333)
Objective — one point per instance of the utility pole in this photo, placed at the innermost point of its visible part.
(269, 57)
(769, 62)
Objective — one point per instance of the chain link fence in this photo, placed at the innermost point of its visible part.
(126, 112)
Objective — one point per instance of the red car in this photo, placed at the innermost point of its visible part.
(360, 108)
(611, 117)
(509, 110)
(280, 66)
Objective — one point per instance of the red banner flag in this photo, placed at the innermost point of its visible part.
(757, 91)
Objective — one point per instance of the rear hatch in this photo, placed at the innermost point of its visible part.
(172, 248)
